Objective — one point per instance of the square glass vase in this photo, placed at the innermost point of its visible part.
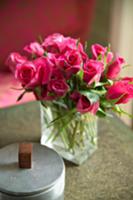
(71, 134)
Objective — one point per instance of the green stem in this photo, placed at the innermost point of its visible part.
(74, 136)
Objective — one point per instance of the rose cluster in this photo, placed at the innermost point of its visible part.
(59, 70)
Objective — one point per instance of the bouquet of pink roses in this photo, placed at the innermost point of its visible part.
(58, 69)
(61, 75)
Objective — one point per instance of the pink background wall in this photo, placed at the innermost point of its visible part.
(22, 21)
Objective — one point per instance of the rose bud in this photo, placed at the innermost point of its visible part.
(92, 71)
(114, 68)
(69, 63)
(54, 43)
(84, 106)
(58, 87)
(73, 57)
(98, 50)
(44, 70)
(34, 48)
(14, 59)
(75, 96)
(121, 91)
(44, 94)
(25, 73)
(74, 61)
(74, 44)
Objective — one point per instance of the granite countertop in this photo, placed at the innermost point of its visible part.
(107, 175)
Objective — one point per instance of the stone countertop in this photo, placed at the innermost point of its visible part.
(108, 174)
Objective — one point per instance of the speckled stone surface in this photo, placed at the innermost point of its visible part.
(108, 174)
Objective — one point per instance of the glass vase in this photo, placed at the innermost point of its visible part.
(73, 135)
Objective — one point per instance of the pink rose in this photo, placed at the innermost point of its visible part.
(92, 71)
(69, 63)
(121, 91)
(82, 52)
(54, 43)
(109, 57)
(14, 59)
(44, 70)
(34, 48)
(70, 43)
(84, 106)
(98, 50)
(72, 62)
(74, 44)
(52, 58)
(58, 87)
(25, 73)
(114, 68)
(56, 72)
(58, 44)
(73, 57)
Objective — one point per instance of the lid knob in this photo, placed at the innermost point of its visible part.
(25, 155)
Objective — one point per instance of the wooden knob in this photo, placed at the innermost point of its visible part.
(25, 155)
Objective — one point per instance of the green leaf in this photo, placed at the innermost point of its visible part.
(33, 56)
(128, 114)
(106, 104)
(99, 92)
(99, 84)
(85, 46)
(60, 104)
(69, 113)
(117, 109)
(125, 66)
(110, 82)
(43, 104)
(78, 41)
(130, 83)
(37, 90)
(120, 111)
(102, 113)
(80, 74)
(21, 96)
(99, 57)
(51, 94)
(45, 54)
(92, 97)
(39, 39)
(109, 47)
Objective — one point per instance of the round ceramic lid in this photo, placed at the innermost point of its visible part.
(47, 168)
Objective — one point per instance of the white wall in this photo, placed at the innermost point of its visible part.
(121, 34)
